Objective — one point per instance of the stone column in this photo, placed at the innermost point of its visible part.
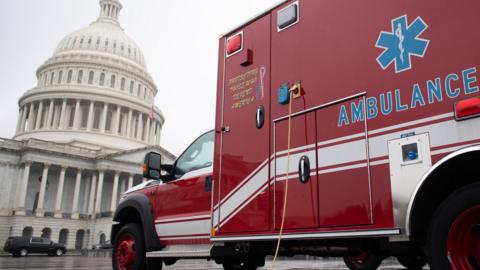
(23, 180)
(76, 194)
(43, 186)
(76, 117)
(140, 126)
(24, 118)
(113, 204)
(91, 113)
(147, 131)
(50, 114)
(117, 120)
(91, 200)
(104, 118)
(129, 125)
(58, 200)
(157, 139)
(152, 131)
(130, 181)
(19, 121)
(98, 203)
(38, 121)
(30, 116)
(62, 114)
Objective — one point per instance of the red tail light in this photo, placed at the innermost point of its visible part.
(234, 44)
(467, 108)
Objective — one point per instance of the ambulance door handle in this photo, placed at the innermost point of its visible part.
(260, 117)
(304, 169)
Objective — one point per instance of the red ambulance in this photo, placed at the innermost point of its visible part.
(344, 128)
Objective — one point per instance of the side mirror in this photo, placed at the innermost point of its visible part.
(152, 166)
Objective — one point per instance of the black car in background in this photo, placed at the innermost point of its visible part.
(22, 246)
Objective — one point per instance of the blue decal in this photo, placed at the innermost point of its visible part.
(386, 111)
(403, 42)
(468, 80)
(343, 119)
(283, 94)
(357, 112)
(417, 97)
(398, 102)
(448, 86)
(372, 111)
(434, 90)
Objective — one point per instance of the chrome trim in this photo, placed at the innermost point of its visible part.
(457, 153)
(321, 106)
(221, 133)
(367, 153)
(341, 234)
(182, 251)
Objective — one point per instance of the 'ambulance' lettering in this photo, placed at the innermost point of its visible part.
(434, 93)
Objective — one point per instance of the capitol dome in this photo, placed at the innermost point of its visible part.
(95, 91)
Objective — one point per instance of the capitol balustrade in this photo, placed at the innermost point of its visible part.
(94, 205)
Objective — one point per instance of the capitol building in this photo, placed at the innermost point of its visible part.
(81, 136)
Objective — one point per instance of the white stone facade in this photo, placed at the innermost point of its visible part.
(81, 136)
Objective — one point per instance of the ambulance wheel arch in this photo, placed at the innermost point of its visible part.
(137, 209)
(451, 173)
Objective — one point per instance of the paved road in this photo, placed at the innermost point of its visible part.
(86, 263)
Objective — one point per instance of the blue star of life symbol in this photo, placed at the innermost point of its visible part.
(403, 42)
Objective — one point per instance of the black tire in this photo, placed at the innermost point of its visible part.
(366, 260)
(130, 248)
(445, 216)
(413, 261)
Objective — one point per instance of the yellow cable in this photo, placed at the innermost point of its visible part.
(286, 180)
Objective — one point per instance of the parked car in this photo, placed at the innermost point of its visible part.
(22, 246)
(106, 245)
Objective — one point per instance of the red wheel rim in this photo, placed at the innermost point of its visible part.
(125, 254)
(463, 245)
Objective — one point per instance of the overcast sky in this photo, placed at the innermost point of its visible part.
(179, 39)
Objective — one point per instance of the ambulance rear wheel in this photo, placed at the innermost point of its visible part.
(413, 261)
(453, 240)
(366, 260)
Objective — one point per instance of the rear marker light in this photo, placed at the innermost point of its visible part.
(467, 108)
(234, 44)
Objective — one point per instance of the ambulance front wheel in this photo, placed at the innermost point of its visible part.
(453, 240)
(366, 260)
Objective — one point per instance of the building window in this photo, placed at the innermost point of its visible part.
(102, 79)
(145, 93)
(106, 43)
(80, 76)
(51, 77)
(122, 84)
(131, 87)
(139, 89)
(60, 77)
(112, 81)
(69, 76)
(90, 77)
